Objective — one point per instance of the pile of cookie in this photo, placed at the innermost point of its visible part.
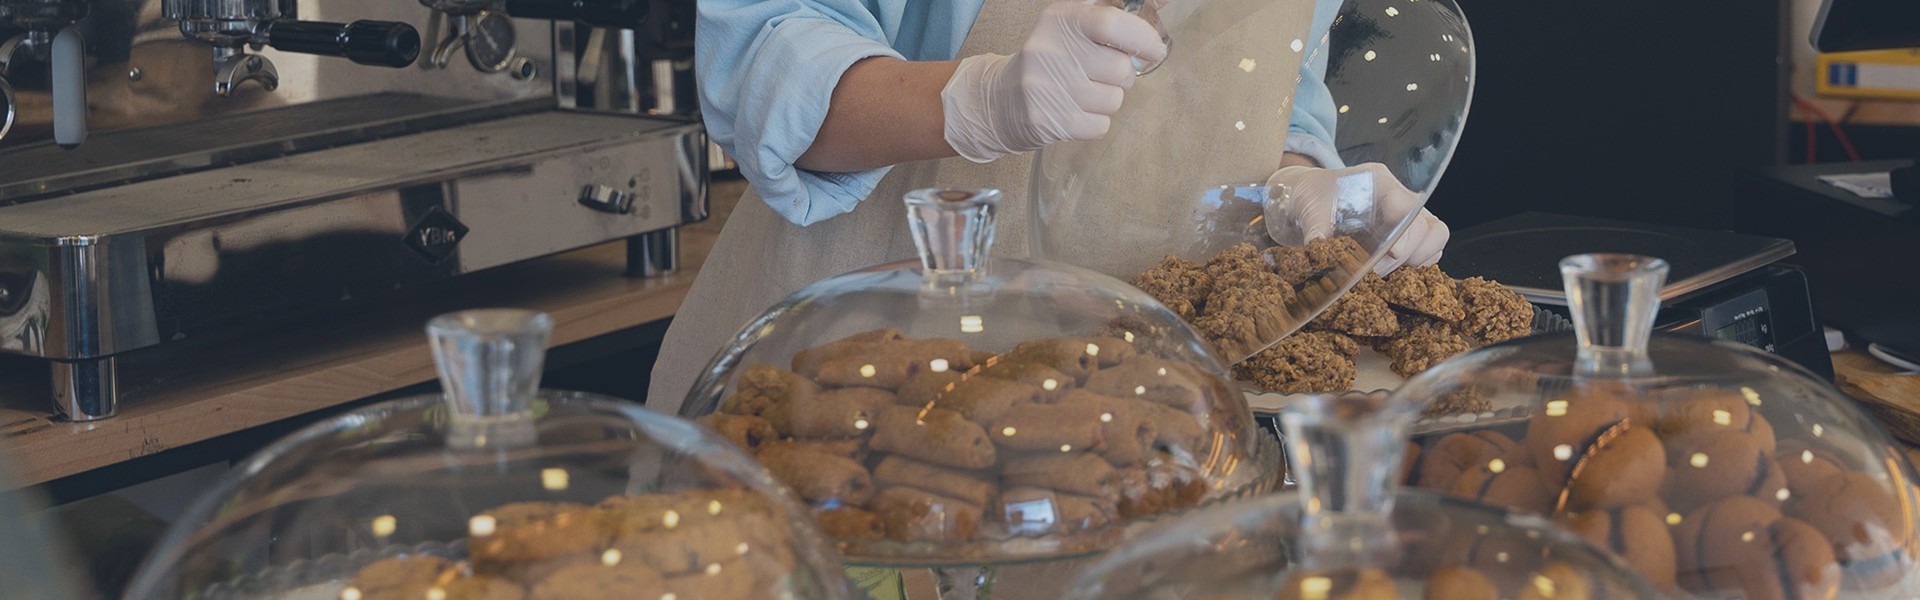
(721, 543)
(1691, 487)
(928, 440)
(1415, 316)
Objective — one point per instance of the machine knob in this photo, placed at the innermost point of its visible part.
(617, 14)
(604, 198)
(378, 43)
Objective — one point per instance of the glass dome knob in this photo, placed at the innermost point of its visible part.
(489, 363)
(1614, 299)
(952, 229)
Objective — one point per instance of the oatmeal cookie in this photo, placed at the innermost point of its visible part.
(1303, 264)
(1421, 344)
(1240, 319)
(1238, 256)
(1308, 362)
(1493, 313)
(1425, 290)
(1360, 312)
(1181, 285)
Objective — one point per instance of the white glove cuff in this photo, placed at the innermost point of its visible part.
(967, 103)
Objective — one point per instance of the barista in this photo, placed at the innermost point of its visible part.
(826, 104)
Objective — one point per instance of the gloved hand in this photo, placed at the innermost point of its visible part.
(1063, 84)
(1312, 202)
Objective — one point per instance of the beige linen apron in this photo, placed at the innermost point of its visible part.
(761, 258)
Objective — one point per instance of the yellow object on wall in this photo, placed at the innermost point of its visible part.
(1883, 74)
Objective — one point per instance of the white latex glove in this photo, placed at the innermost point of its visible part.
(1063, 84)
(1311, 203)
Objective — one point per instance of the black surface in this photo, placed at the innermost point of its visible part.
(1862, 256)
(1633, 109)
(1849, 25)
(1525, 250)
(378, 43)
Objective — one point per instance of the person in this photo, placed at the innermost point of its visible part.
(834, 109)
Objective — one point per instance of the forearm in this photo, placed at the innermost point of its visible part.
(884, 111)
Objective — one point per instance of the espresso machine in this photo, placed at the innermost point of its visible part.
(175, 169)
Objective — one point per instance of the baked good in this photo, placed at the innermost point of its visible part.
(1422, 343)
(934, 435)
(1425, 290)
(1409, 462)
(747, 432)
(1127, 427)
(1458, 452)
(1063, 427)
(1805, 465)
(1463, 400)
(1694, 412)
(599, 579)
(1050, 382)
(1491, 313)
(1346, 583)
(478, 587)
(1708, 467)
(1076, 472)
(984, 399)
(1460, 583)
(1865, 524)
(1362, 311)
(1515, 486)
(1242, 319)
(902, 471)
(1307, 362)
(1625, 465)
(915, 515)
(840, 413)
(924, 388)
(1564, 429)
(762, 386)
(1559, 581)
(1636, 533)
(818, 477)
(400, 576)
(1180, 285)
(854, 448)
(1034, 511)
(1153, 379)
(847, 522)
(1742, 547)
(526, 533)
(1238, 257)
(1074, 358)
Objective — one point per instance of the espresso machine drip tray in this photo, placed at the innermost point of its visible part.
(46, 170)
(265, 227)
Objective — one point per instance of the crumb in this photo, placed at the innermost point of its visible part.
(1424, 290)
(1238, 256)
(1303, 363)
(1302, 265)
(1180, 285)
(1422, 345)
(1360, 312)
(1493, 313)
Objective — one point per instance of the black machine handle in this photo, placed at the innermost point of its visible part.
(618, 14)
(378, 43)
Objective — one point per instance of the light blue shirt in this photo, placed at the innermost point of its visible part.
(767, 70)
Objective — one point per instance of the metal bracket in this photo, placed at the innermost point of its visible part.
(241, 68)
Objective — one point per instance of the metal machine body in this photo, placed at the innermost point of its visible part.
(201, 205)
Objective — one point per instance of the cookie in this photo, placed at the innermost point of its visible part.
(1637, 534)
(1460, 583)
(609, 577)
(1705, 468)
(1351, 583)
(1865, 523)
(1425, 290)
(1458, 452)
(1626, 465)
(1514, 486)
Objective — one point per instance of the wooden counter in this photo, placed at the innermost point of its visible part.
(193, 394)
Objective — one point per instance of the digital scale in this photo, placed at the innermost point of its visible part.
(1725, 285)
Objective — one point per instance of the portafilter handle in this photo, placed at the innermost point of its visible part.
(376, 43)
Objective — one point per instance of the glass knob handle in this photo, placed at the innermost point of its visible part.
(1148, 10)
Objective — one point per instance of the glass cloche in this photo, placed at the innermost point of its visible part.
(1351, 534)
(1192, 165)
(35, 560)
(495, 490)
(1764, 481)
(960, 410)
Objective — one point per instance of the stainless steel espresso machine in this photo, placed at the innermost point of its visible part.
(175, 168)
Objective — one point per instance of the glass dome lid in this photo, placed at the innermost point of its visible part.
(963, 411)
(35, 562)
(1767, 481)
(1188, 168)
(1350, 533)
(498, 491)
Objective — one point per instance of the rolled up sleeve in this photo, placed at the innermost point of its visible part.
(1311, 131)
(767, 70)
